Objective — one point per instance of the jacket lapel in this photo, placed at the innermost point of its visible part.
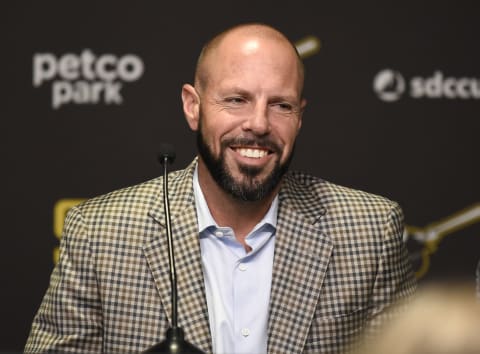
(302, 253)
(192, 305)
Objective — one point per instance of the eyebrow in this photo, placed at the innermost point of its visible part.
(246, 93)
(286, 98)
(235, 90)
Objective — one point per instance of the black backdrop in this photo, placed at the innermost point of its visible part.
(393, 92)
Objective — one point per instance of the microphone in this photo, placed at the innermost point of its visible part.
(167, 152)
(174, 342)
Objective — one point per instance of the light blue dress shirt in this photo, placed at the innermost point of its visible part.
(237, 283)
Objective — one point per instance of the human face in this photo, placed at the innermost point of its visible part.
(248, 114)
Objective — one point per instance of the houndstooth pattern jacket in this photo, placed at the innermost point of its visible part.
(339, 263)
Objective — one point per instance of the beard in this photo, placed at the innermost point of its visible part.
(250, 187)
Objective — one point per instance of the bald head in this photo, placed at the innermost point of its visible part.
(246, 37)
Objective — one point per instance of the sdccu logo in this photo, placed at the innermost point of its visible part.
(86, 78)
(390, 85)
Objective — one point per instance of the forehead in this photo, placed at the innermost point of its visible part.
(253, 60)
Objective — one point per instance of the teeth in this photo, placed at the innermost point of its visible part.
(252, 153)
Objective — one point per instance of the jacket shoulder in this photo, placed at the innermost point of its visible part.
(136, 197)
(334, 195)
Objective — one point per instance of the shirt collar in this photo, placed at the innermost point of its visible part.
(205, 218)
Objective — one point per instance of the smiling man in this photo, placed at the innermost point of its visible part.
(268, 261)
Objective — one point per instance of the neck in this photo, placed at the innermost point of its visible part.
(228, 211)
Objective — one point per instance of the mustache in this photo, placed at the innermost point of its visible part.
(261, 142)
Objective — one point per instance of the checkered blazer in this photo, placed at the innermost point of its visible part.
(339, 262)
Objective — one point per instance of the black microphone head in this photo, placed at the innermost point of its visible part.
(166, 152)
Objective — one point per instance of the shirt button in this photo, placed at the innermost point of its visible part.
(242, 267)
(219, 233)
(245, 332)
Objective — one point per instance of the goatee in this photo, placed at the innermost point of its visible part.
(249, 188)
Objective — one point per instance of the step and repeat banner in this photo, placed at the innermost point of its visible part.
(93, 88)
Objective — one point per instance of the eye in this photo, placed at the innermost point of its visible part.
(236, 100)
(283, 107)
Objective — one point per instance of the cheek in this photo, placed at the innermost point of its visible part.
(287, 134)
(213, 132)
(217, 127)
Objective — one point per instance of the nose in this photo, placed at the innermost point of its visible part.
(258, 121)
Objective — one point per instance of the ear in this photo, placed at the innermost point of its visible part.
(191, 106)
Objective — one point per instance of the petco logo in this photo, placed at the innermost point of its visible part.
(86, 78)
(390, 85)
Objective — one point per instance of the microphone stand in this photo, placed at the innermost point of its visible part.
(174, 342)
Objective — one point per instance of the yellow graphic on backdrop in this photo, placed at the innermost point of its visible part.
(60, 210)
(431, 235)
(308, 46)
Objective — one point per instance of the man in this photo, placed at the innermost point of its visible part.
(267, 261)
